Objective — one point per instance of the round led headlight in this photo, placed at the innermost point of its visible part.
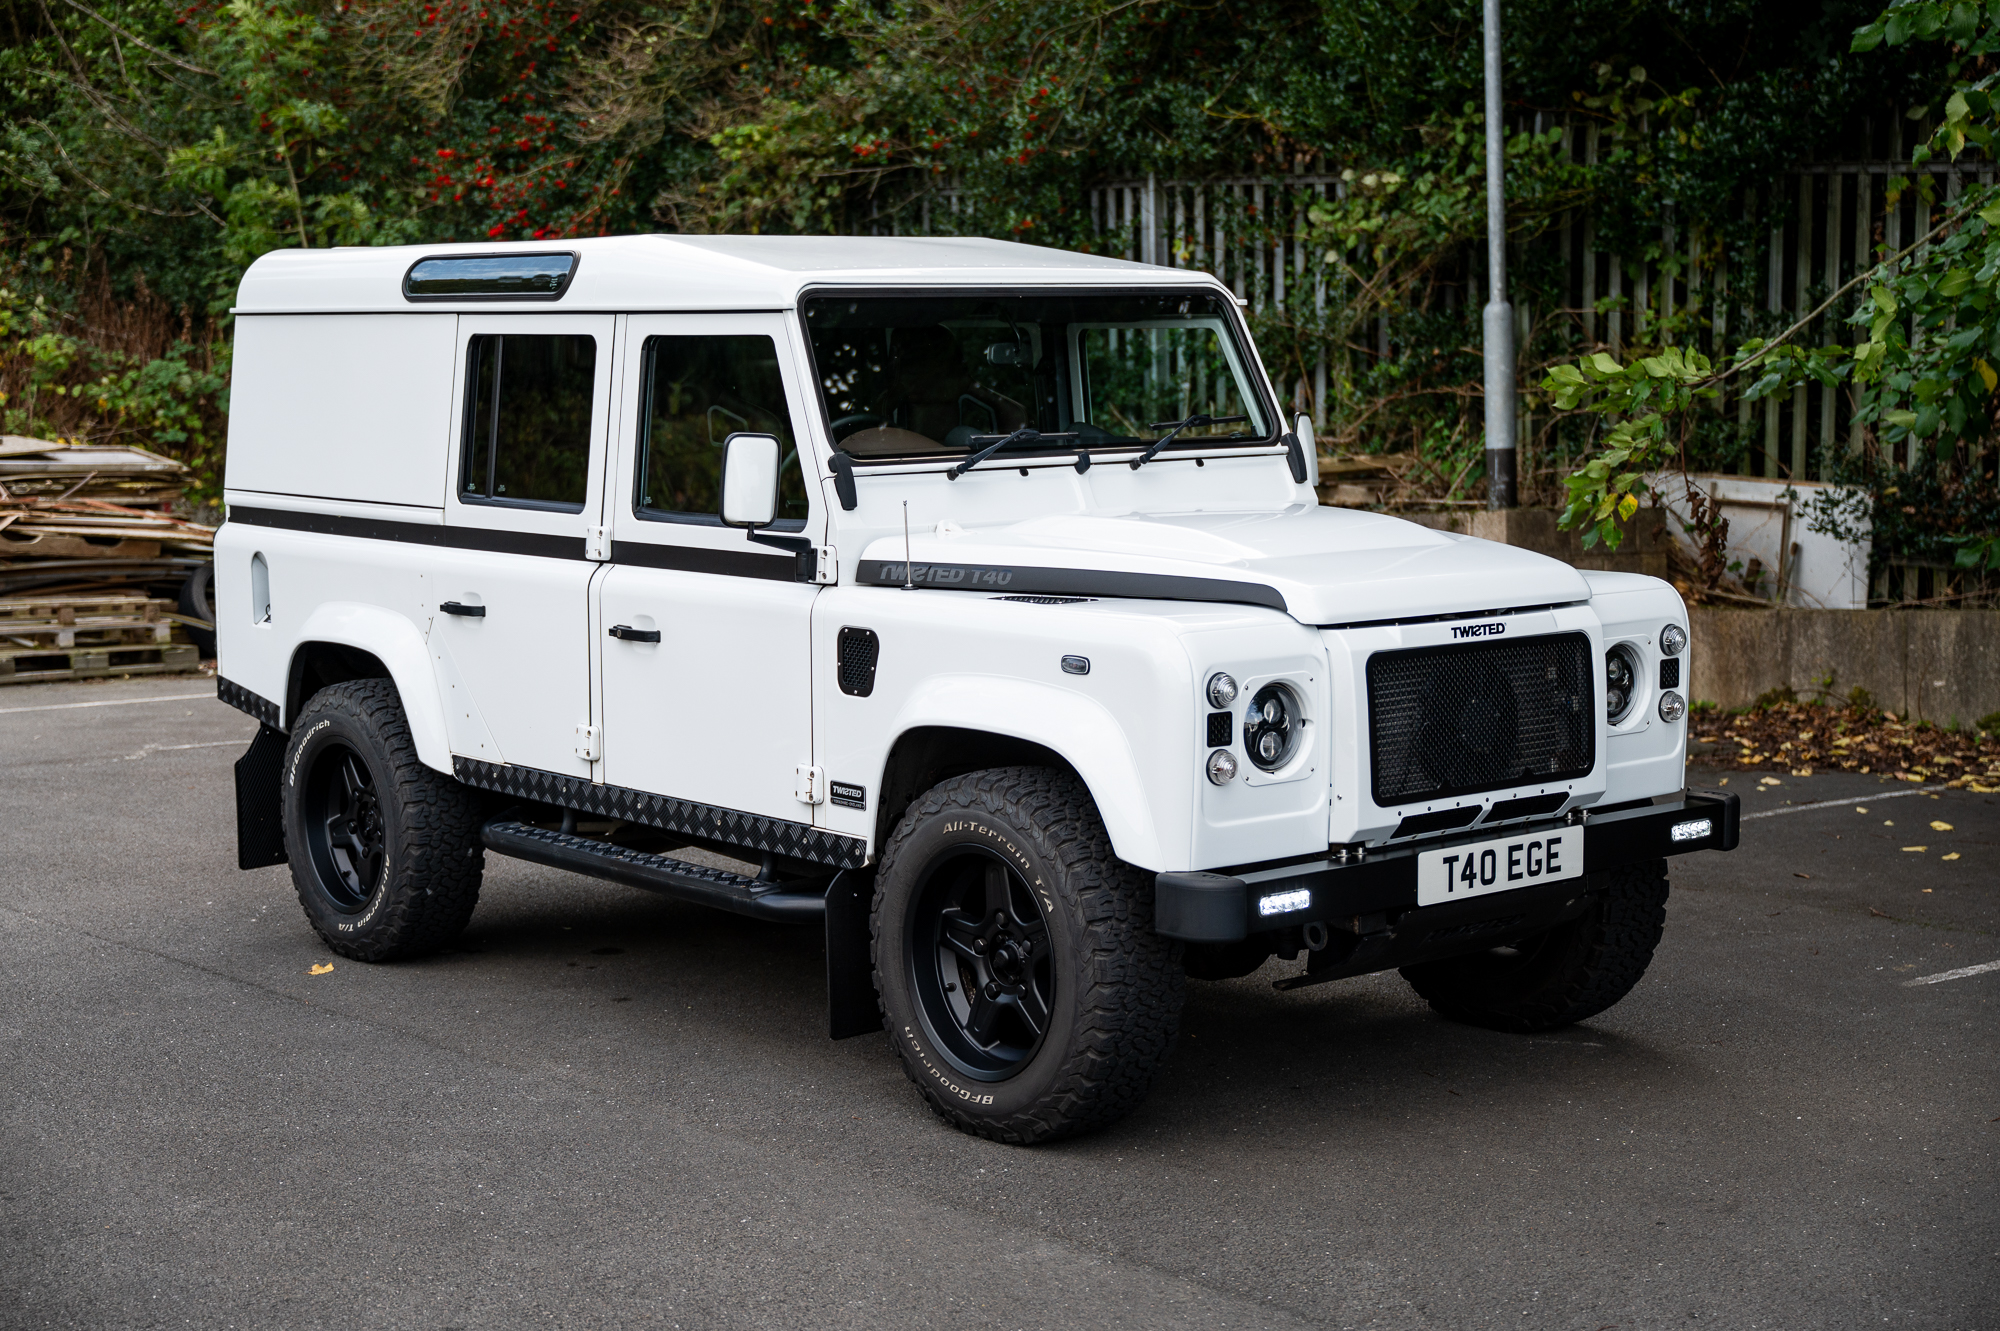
(1221, 767)
(1272, 727)
(1672, 639)
(1221, 690)
(1672, 706)
(1621, 682)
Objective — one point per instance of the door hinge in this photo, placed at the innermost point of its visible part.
(595, 546)
(811, 785)
(589, 743)
(826, 566)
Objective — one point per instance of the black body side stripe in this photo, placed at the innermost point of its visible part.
(413, 533)
(703, 559)
(689, 558)
(1071, 582)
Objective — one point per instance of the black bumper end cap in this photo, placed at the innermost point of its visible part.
(1732, 815)
(1200, 907)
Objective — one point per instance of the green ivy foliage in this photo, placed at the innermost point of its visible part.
(1923, 370)
(152, 148)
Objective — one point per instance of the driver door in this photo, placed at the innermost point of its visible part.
(703, 631)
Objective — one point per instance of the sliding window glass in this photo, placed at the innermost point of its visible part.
(699, 391)
(527, 426)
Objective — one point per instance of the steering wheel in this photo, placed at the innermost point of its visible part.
(847, 425)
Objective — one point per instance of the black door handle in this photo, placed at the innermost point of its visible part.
(626, 633)
(455, 608)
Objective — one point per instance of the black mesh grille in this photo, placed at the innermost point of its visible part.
(1447, 721)
(858, 649)
(1670, 673)
(1220, 729)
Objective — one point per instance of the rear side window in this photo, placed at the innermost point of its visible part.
(699, 391)
(527, 419)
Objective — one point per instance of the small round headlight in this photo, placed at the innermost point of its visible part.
(1221, 690)
(1672, 639)
(1672, 706)
(1272, 725)
(1621, 680)
(1221, 767)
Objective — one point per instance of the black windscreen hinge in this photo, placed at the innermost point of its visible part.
(1295, 454)
(843, 480)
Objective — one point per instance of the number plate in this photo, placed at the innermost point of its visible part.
(1499, 866)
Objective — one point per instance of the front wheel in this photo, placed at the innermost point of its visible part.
(1562, 975)
(385, 852)
(1021, 981)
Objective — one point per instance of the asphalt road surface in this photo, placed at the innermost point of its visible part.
(607, 1109)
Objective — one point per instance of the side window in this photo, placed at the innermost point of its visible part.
(527, 419)
(698, 392)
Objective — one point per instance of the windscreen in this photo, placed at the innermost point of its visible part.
(913, 376)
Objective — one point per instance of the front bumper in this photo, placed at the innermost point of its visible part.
(1359, 894)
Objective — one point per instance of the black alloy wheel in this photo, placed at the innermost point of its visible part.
(384, 851)
(343, 826)
(981, 965)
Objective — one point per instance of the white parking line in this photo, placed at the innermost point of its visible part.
(1828, 804)
(108, 702)
(1958, 974)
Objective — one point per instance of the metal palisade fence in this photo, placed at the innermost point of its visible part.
(1831, 218)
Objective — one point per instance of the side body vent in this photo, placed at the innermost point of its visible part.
(1048, 600)
(858, 650)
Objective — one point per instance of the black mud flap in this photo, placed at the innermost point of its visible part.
(851, 1007)
(260, 824)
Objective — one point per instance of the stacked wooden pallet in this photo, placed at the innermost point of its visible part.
(76, 637)
(99, 574)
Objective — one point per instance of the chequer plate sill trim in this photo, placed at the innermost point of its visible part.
(776, 836)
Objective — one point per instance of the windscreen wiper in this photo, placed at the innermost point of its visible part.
(1027, 434)
(1173, 428)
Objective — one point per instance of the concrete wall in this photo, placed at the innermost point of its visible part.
(1935, 665)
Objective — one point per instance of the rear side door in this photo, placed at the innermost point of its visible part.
(704, 632)
(509, 623)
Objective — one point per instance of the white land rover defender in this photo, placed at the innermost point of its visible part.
(974, 596)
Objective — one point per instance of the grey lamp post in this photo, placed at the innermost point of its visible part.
(1499, 353)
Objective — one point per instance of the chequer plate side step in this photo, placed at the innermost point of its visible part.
(706, 822)
(657, 873)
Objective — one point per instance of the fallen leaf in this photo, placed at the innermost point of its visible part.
(1723, 782)
(1802, 875)
(1952, 856)
(1860, 809)
(322, 968)
(1937, 826)
(1915, 850)
(1880, 914)
(1770, 781)
(1888, 822)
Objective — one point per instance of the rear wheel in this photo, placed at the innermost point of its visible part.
(385, 852)
(1563, 975)
(1021, 981)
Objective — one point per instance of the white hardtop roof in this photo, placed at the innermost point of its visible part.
(659, 272)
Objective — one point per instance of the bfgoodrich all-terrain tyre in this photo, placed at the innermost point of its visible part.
(1573, 971)
(1021, 981)
(385, 852)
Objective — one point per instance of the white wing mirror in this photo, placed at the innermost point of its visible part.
(1303, 427)
(750, 479)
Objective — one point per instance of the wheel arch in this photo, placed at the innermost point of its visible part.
(1045, 727)
(345, 641)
